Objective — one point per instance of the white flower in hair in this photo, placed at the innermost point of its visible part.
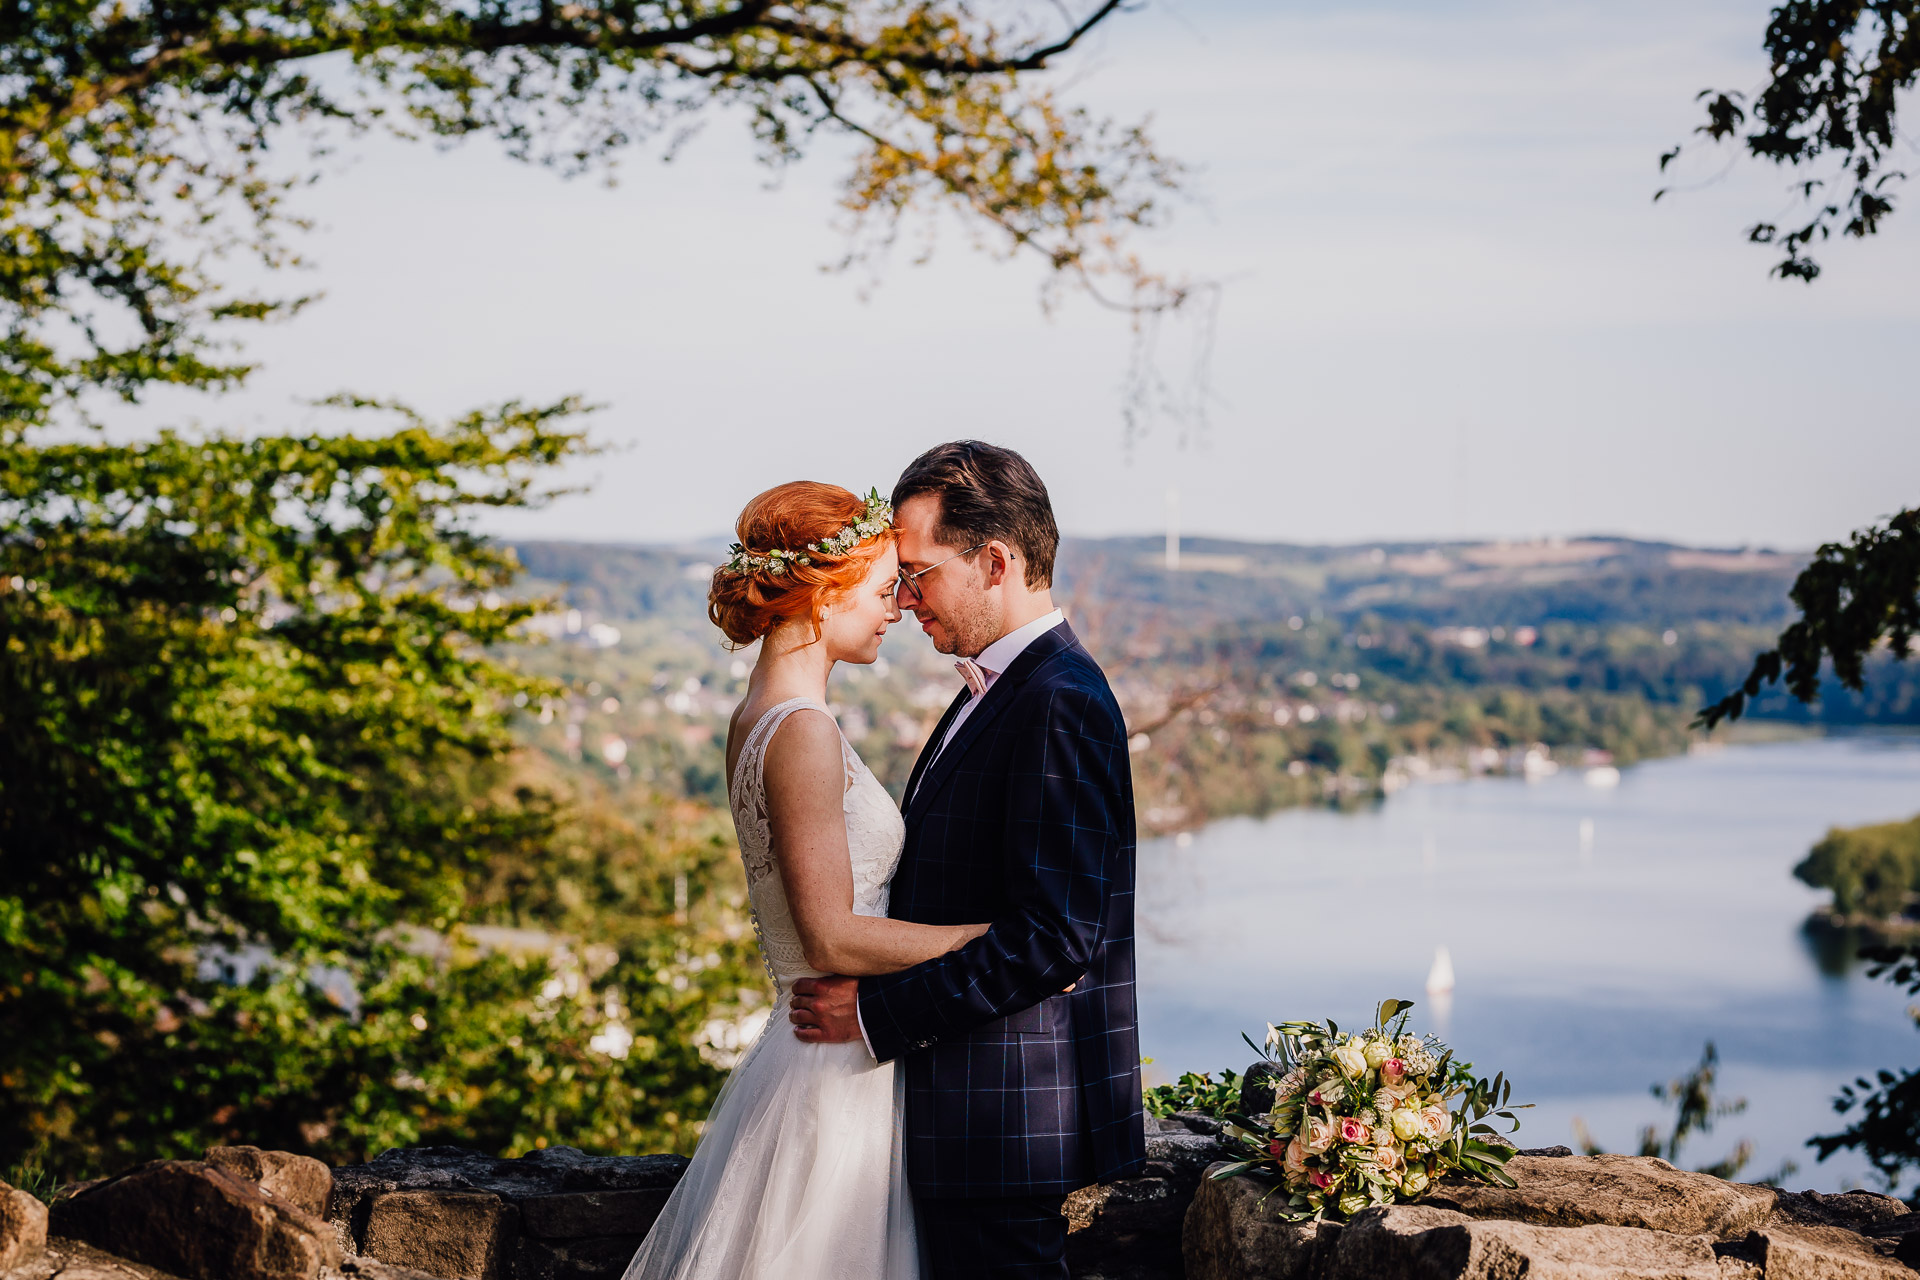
(874, 521)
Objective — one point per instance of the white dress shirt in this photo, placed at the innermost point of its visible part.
(993, 660)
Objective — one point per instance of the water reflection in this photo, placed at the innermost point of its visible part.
(1599, 936)
(1834, 950)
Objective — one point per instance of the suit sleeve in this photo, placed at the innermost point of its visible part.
(1061, 851)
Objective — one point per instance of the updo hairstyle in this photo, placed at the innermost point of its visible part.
(748, 605)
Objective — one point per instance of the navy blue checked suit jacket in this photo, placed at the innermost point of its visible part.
(1025, 820)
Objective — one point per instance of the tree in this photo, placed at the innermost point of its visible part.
(141, 143)
(1829, 110)
(1886, 1119)
(1838, 69)
(1855, 598)
(255, 770)
(251, 790)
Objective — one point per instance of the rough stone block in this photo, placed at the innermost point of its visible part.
(1608, 1190)
(1233, 1232)
(302, 1179)
(457, 1235)
(23, 1227)
(199, 1222)
(1855, 1210)
(548, 1172)
(373, 1269)
(73, 1260)
(1807, 1252)
(1127, 1229)
(1440, 1244)
(600, 1258)
(577, 1215)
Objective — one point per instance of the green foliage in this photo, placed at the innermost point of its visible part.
(1871, 870)
(1696, 1107)
(252, 770)
(141, 143)
(1195, 1091)
(1838, 68)
(1886, 1108)
(1854, 598)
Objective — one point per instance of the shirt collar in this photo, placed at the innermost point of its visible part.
(999, 655)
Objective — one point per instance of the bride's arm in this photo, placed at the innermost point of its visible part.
(806, 789)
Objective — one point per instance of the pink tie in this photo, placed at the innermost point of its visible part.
(974, 674)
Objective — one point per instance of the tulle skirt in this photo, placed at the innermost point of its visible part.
(798, 1176)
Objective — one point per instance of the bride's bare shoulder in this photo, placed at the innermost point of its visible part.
(805, 748)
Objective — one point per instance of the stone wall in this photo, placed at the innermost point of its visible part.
(1571, 1218)
(442, 1213)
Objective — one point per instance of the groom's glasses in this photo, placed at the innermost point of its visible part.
(909, 583)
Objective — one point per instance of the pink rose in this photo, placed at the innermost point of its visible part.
(1295, 1161)
(1320, 1135)
(1320, 1179)
(1437, 1120)
(1394, 1069)
(1353, 1131)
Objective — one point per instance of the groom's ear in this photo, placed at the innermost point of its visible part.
(1000, 563)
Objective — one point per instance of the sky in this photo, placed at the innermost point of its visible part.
(1449, 306)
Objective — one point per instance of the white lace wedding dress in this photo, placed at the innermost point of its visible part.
(799, 1173)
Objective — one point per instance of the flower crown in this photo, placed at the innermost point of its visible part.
(874, 521)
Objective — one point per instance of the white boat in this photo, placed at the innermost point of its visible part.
(1603, 776)
(1440, 977)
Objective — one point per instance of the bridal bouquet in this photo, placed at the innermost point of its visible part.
(1368, 1118)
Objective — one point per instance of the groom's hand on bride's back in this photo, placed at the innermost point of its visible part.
(826, 1010)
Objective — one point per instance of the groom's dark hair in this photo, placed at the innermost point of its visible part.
(986, 492)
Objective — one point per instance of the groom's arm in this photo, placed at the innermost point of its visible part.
(1061, 847)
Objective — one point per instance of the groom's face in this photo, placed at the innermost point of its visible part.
(951, 603)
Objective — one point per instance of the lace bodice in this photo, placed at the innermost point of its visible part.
(875, 834)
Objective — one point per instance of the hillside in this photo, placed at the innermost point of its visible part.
(1591, 580)
(1255, 676)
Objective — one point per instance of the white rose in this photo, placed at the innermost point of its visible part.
(1352, 1059)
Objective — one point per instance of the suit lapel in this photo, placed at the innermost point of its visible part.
(935, 771)
(932, 748)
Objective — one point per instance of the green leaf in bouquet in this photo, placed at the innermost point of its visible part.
(1245, 1133)
(1231, 1171)
(1389, 1009)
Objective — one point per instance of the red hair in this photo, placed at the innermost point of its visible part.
(786, 518)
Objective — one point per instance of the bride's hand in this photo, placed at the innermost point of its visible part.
(968, 932)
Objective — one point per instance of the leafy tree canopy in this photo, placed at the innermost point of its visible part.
(141, 142)
(1829, 110)
(1885, 1108)
(1855, 598)
(251, 792)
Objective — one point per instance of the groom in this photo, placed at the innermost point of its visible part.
(1021, 1049)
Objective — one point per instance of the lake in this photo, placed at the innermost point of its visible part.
(1599, 938)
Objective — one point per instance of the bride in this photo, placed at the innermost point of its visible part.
(799, 1174)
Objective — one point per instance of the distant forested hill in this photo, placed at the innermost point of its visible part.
(1254, 676)
(1592, 580)
(1604, 581)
